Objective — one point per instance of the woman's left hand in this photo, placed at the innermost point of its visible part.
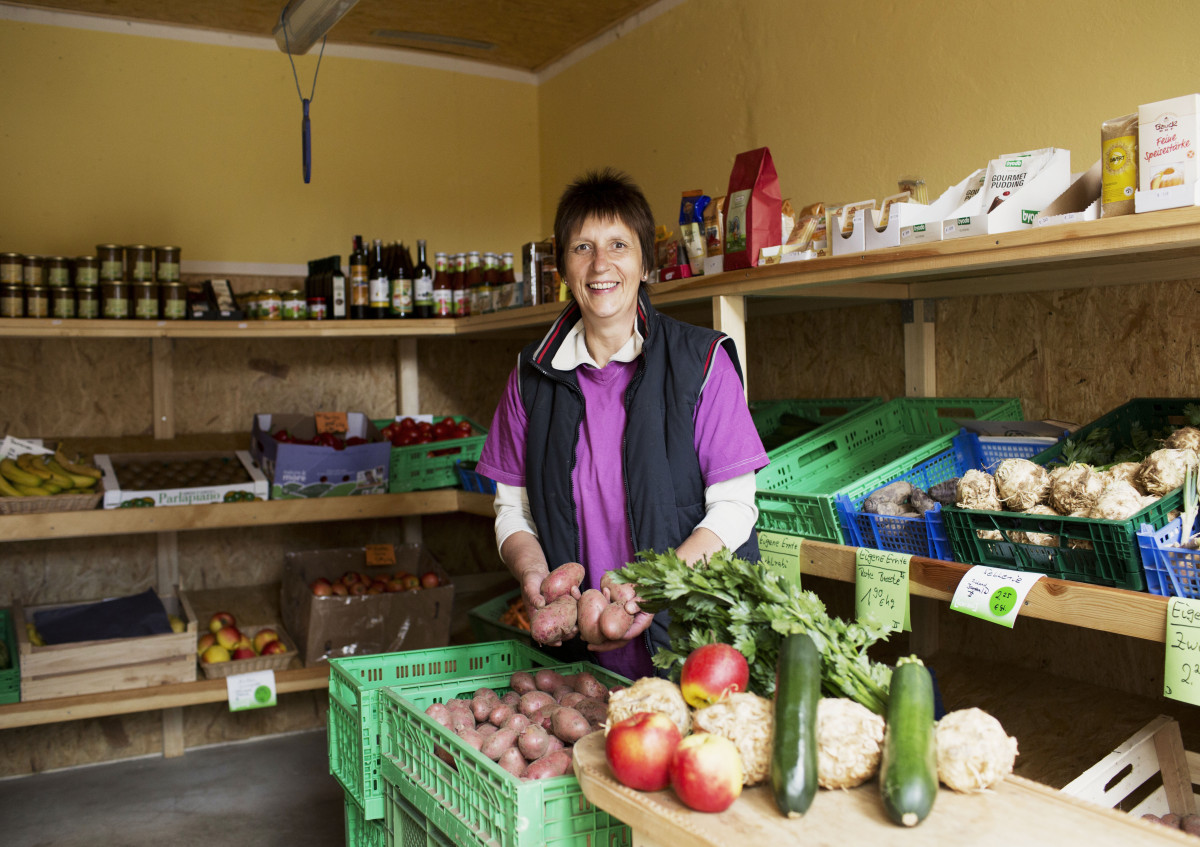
(641, 622)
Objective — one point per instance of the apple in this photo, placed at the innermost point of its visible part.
(277, 646)
(411, 582)
(357, 589)
(711, 673)
(215, 653)
(639, 750)
(340, 589)
(206, 640)
(263, 637)
(244, 653)
(351, 577)
(394, 585)
(429, 579)
(229, 636)
(706, 772)
(176, 622)
(220, 619)
(321, 587)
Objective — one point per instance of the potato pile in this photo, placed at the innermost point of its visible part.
(530, 729)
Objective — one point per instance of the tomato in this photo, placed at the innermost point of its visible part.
(424, 427)
(408, 423)
(355, 440)
(429, 579)
(424, 438)
(442, 431)
(464, 428)
(283, 436)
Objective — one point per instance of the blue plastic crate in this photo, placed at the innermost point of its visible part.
(987, 451)
(1171, 570)
(472, 480)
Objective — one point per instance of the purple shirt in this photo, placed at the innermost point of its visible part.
(727, 446)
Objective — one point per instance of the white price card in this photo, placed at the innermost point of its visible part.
(254, 690)
(993, 594)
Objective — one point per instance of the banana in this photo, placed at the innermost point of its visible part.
(77, 480)
(17, 475)
(6, 488)
(28, 463)
(31, 490)
(73, 467)
(35, 637)
(62, 480)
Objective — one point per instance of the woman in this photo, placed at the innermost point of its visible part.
(621, 430)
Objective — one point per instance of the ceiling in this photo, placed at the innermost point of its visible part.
(523, 34)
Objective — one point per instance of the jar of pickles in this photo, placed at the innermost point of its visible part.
(145, 300)
(37, 301)
(270, 305)
(173, 300)
(166, 260)
(87, 272)
(87, 301)
(139, 263)
(12, 300)
(33, 270)
(58, 271)
(12, 268)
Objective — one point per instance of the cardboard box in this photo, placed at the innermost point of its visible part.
(253, 607)
(120, 491)
(335, 627)
(111, 664)
(1168, 134)
(1022, 203)
(1080, 202)
(298, 471)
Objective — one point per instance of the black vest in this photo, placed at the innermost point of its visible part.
(664, 489)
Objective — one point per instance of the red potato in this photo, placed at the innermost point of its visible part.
(511, 698)
(485, 694)
(443, 754)
(548, 680)
(615, 622)
(517, 721)
(472, 737)
(544, 716)
(440, 713)
(461, 718)
(593, 711)
(495, 744)
(591, 603)
(533, 701)
(481, 707)
(512, 761)
(571, 699)
(534, 743)
(554, 743)
(589, 686)
(559, 582)
(500, 714)
(555, 622)
(562, 691)
(569, 725)
(486, 729)
(618, 592)
(521, 682)
(549, 766)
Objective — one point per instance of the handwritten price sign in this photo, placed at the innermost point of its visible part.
(1181, 671)
(781, 554)
(881, 587)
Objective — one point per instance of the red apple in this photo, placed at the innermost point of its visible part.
(228, 637)
(277, 646)
(263, 637)
(394, 585)
(411, 582)
(220, 619)
(206, 640)
(321, 587)
(429, 579)
(351, 577)
(244, 653)
(706, 772)
(711, 673)
(340, 590)
(639, 750)
(357, 589)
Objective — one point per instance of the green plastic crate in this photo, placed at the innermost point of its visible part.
(782, 422)
(406, 826)
(354, 685)
(475, 801)
(485, 620)
(10, 678)
(797, 492)
(1090, 550)
(361, 832)
(419, 467)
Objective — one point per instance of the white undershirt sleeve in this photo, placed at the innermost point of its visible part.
(730, 510)
(512, 512)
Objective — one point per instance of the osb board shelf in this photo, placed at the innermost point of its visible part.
(1111, 251)
(148, 699)
(99, 522)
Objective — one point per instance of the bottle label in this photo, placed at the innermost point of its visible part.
(337, 309)
(423, 290)
(461, 305)
(443, 303)
(379, 293)
(402, 297)
(359, 291)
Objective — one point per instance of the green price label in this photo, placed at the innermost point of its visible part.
(1003, 601)
(781, 554)
(881, 587)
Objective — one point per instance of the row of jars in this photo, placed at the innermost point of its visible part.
(272, 305)
(112, 263)
(114, 300)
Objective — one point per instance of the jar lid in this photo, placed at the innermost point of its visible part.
(35, 288)
(173, 284)
(137, 247)
(100, 247)
(85, 258)
(141, 283)
(31, 258)
(167, 249)
(10, 256)
(293, 293)
(267, 292)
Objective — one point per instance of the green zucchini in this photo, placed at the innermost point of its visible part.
(908, 779)
(794, 746)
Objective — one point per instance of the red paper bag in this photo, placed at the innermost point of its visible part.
(753, 209)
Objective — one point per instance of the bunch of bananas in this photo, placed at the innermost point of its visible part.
(40, 475)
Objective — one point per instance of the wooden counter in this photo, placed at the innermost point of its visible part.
(1019, 812)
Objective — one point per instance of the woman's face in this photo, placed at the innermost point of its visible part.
(604, 270)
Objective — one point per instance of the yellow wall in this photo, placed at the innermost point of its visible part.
(850, 95)
(131, 139)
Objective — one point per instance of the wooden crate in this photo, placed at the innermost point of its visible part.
(114, 664)
(1149, 773)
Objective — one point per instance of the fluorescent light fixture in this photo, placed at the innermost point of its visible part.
(306, 22)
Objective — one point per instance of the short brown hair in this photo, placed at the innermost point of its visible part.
(608, 195)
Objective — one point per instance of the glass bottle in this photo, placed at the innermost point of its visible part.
(422, 284)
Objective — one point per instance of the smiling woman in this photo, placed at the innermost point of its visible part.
(621, 430)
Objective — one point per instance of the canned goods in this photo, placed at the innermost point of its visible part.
(87, 302)
(270, 305)
(145, 300)
(112, 262)
(58, 271)
(173, 300)
(62, 301)
(12, 268)
(37, 301)
(139, 263)
(12, 300)
(87, 272)
(294, 307)
(33, 270)
(116, 299)
(167, 261)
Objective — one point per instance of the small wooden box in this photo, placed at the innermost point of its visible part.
(114, 664)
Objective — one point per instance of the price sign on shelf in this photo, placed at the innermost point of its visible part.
(332, 422)
(993, 594)
(380, 555)
(254, 690)
(881, 587)
(781, 554)
(1181, 671)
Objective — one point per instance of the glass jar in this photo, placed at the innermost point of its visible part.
(270, 305)
(145, 300)
(116, 299)
(112, 262)
(316, 309)
(87, 302)
(12, 268)
(139, 263)
(249, 301)
(87, 272)
(294, 307)
(12, 300)
(166, 260)
(173, 300)
(62, 301)
(33, 270)
(37, 301)
(58, 271)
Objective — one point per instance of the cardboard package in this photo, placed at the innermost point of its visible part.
(122, 489)
(1168, 135)
(1080, 202)
(1012, 196)
(333, 627)
(297, 471)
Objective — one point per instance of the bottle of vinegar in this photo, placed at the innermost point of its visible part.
(443, 291)
(422, 284)
(359, 288)
(378, 290)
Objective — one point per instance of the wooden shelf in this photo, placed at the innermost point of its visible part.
(148, 699)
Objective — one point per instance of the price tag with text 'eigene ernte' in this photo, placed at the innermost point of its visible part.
(881, 587)
(781, 554)
(1181, 671)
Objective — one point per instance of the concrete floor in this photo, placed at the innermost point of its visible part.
(261, 793)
